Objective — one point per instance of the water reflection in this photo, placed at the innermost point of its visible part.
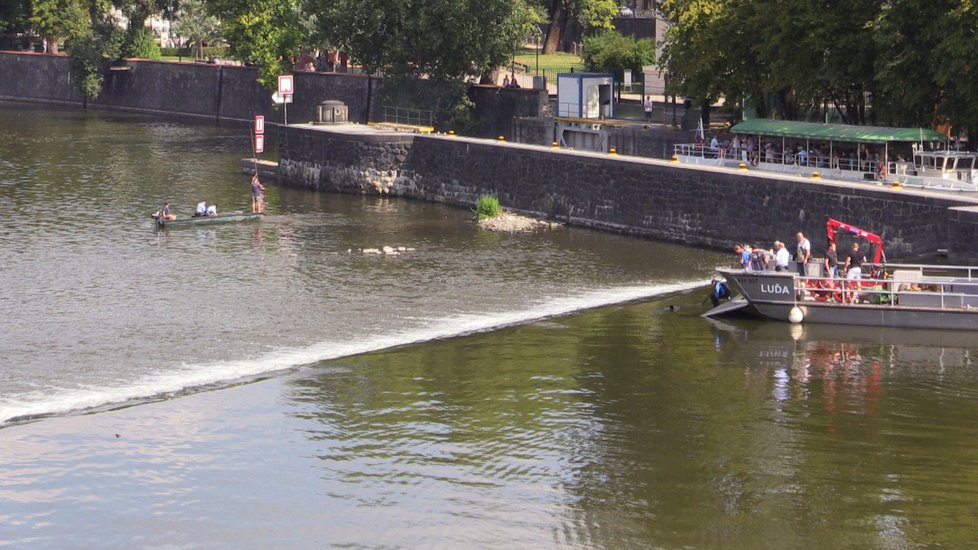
(847, 365)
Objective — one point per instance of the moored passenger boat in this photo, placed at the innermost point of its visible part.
(907, 157)
(894, 295)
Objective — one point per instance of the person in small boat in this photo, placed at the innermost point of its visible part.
(212, 210)
(201, 209)
(257, 194)
(165, 214)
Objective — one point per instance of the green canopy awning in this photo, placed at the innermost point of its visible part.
(835, 132)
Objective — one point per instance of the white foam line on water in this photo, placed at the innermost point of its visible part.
(201, 375)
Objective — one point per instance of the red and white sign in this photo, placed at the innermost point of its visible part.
(259, 143)
(285, 84)
(259, 124)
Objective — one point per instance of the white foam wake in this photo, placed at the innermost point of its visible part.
(200, 375)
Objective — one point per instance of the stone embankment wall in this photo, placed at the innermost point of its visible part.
(692, 205)
(221, 92)
(225, 92)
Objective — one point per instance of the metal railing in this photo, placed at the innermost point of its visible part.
(409, 116)
(892, 285)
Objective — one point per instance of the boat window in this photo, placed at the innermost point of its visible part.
(966, 163)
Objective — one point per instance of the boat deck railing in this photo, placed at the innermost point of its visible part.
(829, 166)
(906, 285)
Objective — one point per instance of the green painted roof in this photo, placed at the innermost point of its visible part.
(835, 132)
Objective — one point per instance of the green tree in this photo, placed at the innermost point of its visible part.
(58, 20)
(612, 52)
(956, 71)
(138, 41)
(708, 50)
(591, 15)
(13, 15)
(267, 32)
(196, 25)
(102, 41)
(437, 39)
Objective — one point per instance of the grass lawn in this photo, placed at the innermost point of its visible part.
(559, 60)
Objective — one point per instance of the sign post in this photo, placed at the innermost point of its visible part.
(286, 89)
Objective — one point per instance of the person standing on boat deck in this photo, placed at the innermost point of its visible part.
(758, 259)
(854, 263)
(212, 210)
(257, 194)
(781, 256)
(803, 253)
(831, 261)
(201, 209)
(743, 257)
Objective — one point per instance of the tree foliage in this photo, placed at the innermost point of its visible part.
(589, 15)
(440, 39)
(59, 20)
(90, 51)
(899, 62)
(194, 23)
(267, 32)
(13, 15)
(612, 52)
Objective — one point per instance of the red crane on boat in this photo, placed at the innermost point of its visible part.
(833, 225)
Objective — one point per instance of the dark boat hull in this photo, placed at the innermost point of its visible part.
(209, 220)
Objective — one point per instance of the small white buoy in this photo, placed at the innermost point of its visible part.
(795, 315)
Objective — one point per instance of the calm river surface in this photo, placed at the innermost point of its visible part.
(256, 385)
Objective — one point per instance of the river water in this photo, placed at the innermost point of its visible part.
(264, 384)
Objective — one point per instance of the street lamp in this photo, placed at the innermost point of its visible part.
(539, 41)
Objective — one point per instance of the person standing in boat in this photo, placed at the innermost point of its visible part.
(201, 209)
(758, 259)
(257, 194)
(803, 253)
(743, 257)
(831, 261)
(781, 256)
(165, 214)
(854, 263)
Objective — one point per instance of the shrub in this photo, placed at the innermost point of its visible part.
(141, 44)
(487, 206)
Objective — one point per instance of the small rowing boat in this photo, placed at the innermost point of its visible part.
(207, 220)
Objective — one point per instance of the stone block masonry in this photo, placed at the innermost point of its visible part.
(699, 206)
